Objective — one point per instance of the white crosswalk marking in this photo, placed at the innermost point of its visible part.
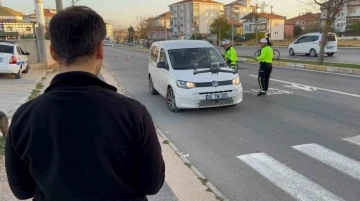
(340, 162)
(295, 184)
(354, 140)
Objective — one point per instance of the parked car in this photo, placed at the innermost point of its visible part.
(13, 60)
(309, 44)
(110, 44)
(192, 74)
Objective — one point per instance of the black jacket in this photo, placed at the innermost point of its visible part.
(82, 141)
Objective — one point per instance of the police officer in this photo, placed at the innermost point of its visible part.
(265, 60)
(230, 53)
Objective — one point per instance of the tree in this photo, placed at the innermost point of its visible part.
(297, 30)
(144, 25)
(131, 34)
(355, 29)
(221, 25)
(329, 12)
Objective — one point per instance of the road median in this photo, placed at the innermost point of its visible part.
(350, 69)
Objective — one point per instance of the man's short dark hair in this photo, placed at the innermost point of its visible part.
(75, 32)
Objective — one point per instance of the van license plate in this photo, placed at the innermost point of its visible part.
(216, 96)
(330, 47)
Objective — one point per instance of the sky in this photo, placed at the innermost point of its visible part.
(123, 13)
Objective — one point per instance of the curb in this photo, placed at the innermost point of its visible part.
(201, 177)
(321, 68)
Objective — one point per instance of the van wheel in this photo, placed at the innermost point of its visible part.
(330, 54)
(27, 69)
(313, 53)
(171, 101)
(291, 52)
(151, 87)
(18, 75)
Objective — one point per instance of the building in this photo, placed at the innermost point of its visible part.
(162, 20)
(109, 31)
(17, 30)
(289, 29)
(265, 23)
(8, 15)
(194, 17)
(121, 36)
(237, 26)
(159, 33)
(236, 10)
(48, 15)
(352, 16)
(309, 22)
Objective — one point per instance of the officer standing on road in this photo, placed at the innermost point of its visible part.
(230, 53)
(265, 60)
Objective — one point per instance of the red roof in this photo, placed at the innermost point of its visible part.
(47, 13)
(195, 1)
(306, 17)
(234, 22)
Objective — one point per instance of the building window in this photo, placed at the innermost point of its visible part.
(28, 29)
(212, 7)
(207, 14)
(352, 10)
(212, 14)
(207, 21)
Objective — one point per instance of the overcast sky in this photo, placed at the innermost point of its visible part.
(124, 12)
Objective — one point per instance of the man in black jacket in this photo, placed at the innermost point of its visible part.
(80, 140)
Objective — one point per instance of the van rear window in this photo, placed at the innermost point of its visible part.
(7, 49)
(331, 37)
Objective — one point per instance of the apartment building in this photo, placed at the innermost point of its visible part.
(162, 20)
(352, 15)
(265, 23)
(236, 10)
(109, 31)
(8, 15)
(194, 16)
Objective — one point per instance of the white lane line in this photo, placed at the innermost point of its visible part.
(328, 90)
(340, 162)
(354, 140)
(295, 184)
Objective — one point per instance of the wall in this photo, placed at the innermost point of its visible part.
(31, 47)
(349, 38)
(289, 30)
(277, 29)
(208, 13)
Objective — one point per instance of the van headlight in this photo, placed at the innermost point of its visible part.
(185, 85)
(236, 81)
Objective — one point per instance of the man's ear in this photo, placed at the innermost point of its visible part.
(52, 53)
(100, 51)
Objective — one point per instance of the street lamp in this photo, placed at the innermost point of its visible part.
(257, 10)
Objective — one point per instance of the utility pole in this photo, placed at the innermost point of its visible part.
(40, 33)
(271, 7)
(256, 28)
(232, 26)
(59, 5)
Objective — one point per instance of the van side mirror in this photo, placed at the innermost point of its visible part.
(161, 65)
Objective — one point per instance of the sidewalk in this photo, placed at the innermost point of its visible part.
(183, 181)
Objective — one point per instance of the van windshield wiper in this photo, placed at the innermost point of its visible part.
(215, 69)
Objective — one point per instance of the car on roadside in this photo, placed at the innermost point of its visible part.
(109, 43)
(192, 74)
(13, 60)
(309, 44)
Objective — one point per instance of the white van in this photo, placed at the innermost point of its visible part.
(192, 74)
(309, 44)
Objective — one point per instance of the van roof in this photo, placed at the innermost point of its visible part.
(316, 33)
(181, 44)
(7, 43)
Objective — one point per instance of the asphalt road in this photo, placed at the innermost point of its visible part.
(296, 144)
(345, 55)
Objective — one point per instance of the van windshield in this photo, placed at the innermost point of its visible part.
(190, 58)
(331, 37)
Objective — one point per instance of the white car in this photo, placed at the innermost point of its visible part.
(13, 60)
(309, 44)
(192, 74)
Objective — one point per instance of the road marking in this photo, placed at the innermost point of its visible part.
(354, 140)
(328, 90)
(340, 162)
(295, 184)
(271, 91)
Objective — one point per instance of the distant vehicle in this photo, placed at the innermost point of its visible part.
(108, 43)
(309, 44)
(13, 60)
(192, 74)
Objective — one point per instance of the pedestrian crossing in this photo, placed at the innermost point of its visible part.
(295, 184)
